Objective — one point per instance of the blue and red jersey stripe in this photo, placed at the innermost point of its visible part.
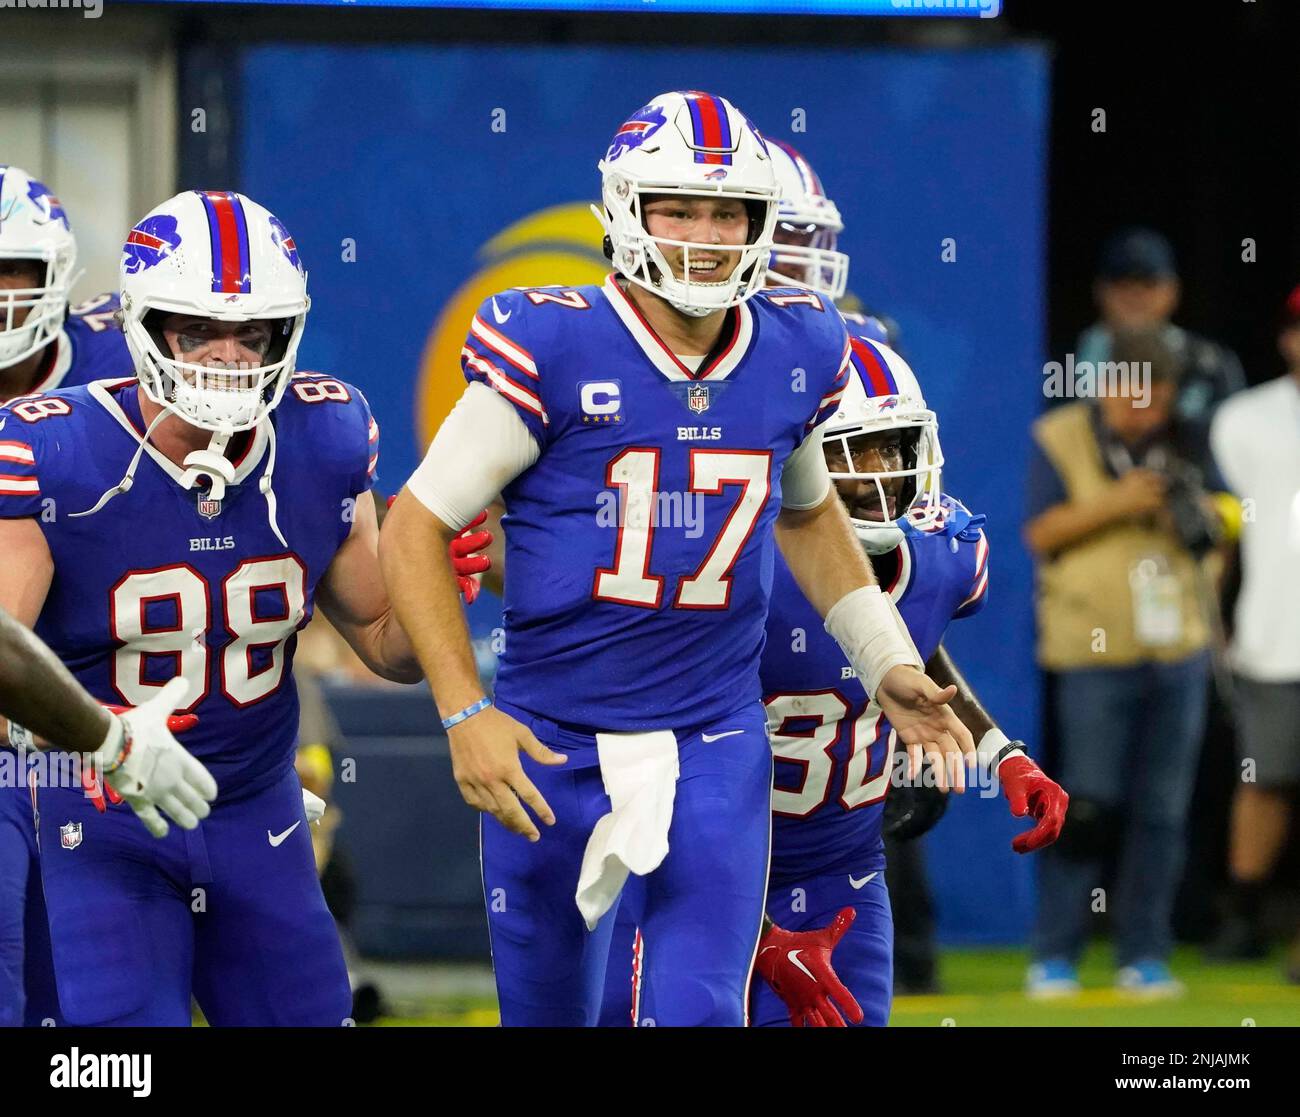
(228, 229)
(711, 127)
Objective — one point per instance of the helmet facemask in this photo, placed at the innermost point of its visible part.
(46, 305)
(916, 499)
(223, 400)
(805, 255)
(641, 258)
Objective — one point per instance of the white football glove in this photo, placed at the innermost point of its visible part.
(314, 805)
(151, 770)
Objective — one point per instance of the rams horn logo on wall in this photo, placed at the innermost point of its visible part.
(150, 243)
(643, 124)
(557, 245)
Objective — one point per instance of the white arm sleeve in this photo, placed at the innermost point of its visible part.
(805, 480)
(480, 448)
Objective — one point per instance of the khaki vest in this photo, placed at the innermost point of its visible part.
(1085, 601)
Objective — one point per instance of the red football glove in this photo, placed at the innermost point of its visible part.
(466, 560)
(176, 723)
(1030, 792)
(797, 965)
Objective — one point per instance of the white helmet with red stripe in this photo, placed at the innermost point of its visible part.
(34, 228)
(807, 229)
(883, 396)
(212, 254)
(697, 145)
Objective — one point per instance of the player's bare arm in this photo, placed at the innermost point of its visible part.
(39, 693)
(1028, 789)
(485, 747)
(142, 760)
(351, 594)
(828, 563)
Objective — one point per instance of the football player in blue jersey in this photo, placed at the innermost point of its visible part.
(833, 745)
(651, 439)
(185, 572)
(883, 450)
(43, 345)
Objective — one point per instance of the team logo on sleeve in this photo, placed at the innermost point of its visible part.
(644, 124)
(281, 236)
(70, 835)
(150, 243)
(601, 401)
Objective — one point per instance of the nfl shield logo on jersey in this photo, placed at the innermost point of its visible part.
(697, 397)
(70, 835)
(209, 509)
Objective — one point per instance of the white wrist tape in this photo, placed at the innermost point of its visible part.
(993, 742)
(872, 635)
(110, 749)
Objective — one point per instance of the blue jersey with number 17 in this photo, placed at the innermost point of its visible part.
(831, 742)
(640, 543)
(163, 582)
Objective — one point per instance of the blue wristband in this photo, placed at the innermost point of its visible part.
(467, 712)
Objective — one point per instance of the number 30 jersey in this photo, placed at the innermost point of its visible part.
(162, 581)
(832, 744)
(640, 543)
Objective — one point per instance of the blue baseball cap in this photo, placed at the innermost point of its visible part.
(1137, 254)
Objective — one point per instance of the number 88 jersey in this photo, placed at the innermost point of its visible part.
(162, 581)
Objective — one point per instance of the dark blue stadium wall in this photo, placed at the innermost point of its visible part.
(396, 167)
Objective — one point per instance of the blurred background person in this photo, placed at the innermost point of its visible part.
(1256, 443)
(1120, 520)
(1137, 288)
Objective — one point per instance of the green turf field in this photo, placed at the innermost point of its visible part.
(982, 987)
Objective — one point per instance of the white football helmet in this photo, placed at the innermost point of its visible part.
(807, 230)
(883, 395)
(694, 144)
(212, 254)
(33, 226)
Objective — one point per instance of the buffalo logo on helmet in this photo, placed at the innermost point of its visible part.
(889, 403)
(150, 243)
(47, 203)
(643, 124)
(281, 236)
(717, 174)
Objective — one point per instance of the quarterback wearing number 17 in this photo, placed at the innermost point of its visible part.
(181, 524)
(652, 439)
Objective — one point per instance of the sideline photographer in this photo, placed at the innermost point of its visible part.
(1122, 516)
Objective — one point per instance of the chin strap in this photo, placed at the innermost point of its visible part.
(211, 463)
(128, 478)
(264, 485)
